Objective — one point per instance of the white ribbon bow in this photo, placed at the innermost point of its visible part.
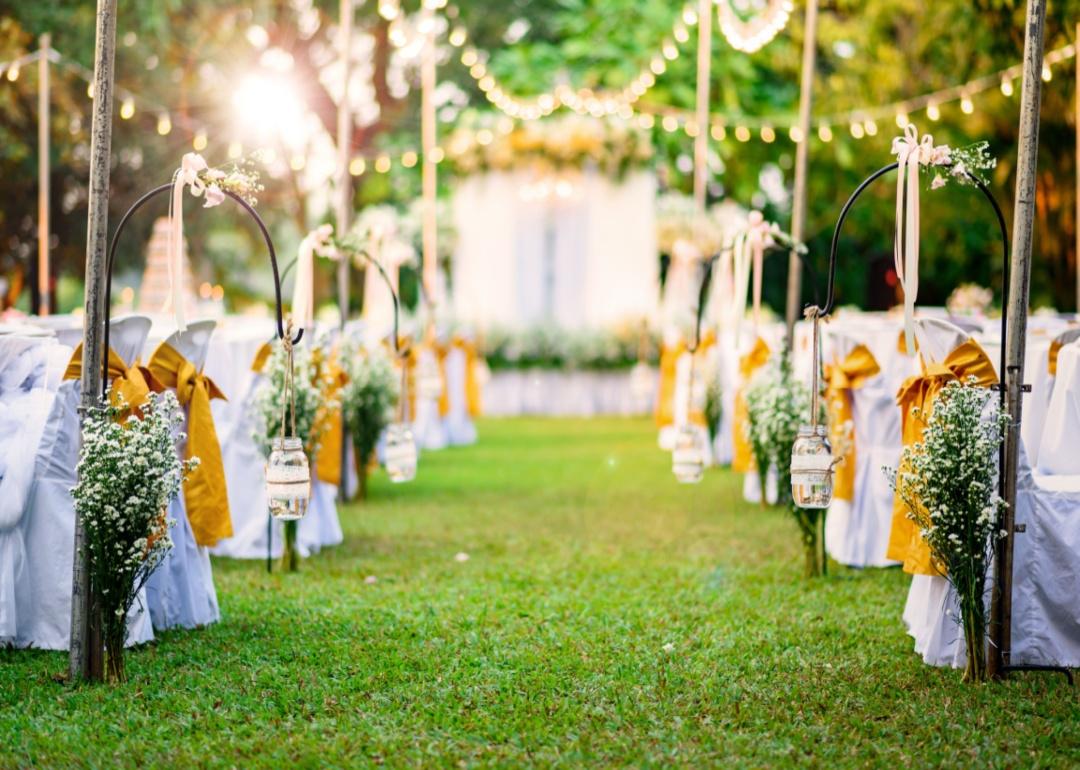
(749, 256)
(315, 242)
(191, 165)
(911, 152)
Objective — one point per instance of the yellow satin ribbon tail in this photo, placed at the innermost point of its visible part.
(206, 497)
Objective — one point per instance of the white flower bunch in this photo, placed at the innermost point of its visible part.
(369, 396)
(128, 472)
(969, 299)
(311, 387)
(778, 404)
(948, 483)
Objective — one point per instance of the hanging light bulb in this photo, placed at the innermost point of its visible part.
(1007, 86)
(1047, 73)
(768, 134)
(127, 108)
(718, 132)
(408, 159)
(13, 72)
(198, 143)
(742, 133)
(856, 129)
(357, 166)
(164, 124)
(966, 105)
(870, 127)
(795, 134)
(669, 124)
(457, 37)
(933, 111)
(902, 120)
(689, 16)
(824, 132)
(382, 164)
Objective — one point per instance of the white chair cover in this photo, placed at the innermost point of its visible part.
(44, 594)
(181, 593)
(428, 428)
(460, 429)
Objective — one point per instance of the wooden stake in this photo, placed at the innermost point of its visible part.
(86, 652)
(344, 202)
(344, 148)
(1019, 286)
(428, 139)
(44, 295)
(701, 141)
(1076, 224)
(793, 309)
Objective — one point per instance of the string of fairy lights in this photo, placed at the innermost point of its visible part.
(627, 104)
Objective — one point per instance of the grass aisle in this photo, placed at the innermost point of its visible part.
(605, 616)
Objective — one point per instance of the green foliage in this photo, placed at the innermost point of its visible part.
(368, 399)
(547, 646)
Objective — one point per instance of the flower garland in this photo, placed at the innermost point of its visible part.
(947, 483)
(571, 142)
(128, 474)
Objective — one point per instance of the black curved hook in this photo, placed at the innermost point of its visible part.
(706, 279)
(110, 259)
(830, 299)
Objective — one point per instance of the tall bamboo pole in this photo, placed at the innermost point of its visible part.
(1019, 286)
(344, 200)
(793, 309)
(85, 660)
(428, 138)
(43, 272)
(1076, 225)
(344, 150)
(701, 141)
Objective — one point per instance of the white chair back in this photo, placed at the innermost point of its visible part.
(194, 343)
(127, 336)
(69, 336)
(1068, 336)
(937, 338)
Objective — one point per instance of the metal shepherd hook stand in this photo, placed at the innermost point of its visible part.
(816, 312)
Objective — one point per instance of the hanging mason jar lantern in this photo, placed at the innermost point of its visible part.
(812, 468)
(688, 457)
(400, 453)
(288, 479)
(811, 455)
(288, 474)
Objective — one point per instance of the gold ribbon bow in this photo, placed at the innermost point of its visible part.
(261, 357)
(205, 495)
(441, 352)
(665, 395)
(968, 359)
(328, 458)
(743, 453)
(134, 382)
(841, 378)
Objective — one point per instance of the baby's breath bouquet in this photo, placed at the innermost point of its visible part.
(778, 404)
(312, 384)
(947, 483)
(129, 472)
(367, 401)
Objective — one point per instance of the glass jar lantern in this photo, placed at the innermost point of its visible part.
(288, 479)
(688, 457)
(812, 468)
(400, 453)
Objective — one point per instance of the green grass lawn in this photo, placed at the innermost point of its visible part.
(605, 616)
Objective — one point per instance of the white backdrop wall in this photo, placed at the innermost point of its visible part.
(573, 250)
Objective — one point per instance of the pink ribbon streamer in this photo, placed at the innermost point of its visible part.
(191, 165)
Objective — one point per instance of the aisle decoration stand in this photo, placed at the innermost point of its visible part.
(400, 449)
(813, 484)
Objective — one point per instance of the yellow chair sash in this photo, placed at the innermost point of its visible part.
(328, 456)
(134, 382)
(261, 357)
(665, 394)
(841, 378)
(906, 544)
(901, 345)
(1052, 357)
(472, 382)
(205, 495)
(743, 451)
(441, 352)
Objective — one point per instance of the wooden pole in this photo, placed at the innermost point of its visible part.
(344, 151)
(44, 295)
(86, 653)
(701, 141)
(428, 139)
(344, 202)
(1019, 286)
(793, 308)
(1076, 107)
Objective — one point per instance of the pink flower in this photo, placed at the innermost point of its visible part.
(214, 196)
(938, 183)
